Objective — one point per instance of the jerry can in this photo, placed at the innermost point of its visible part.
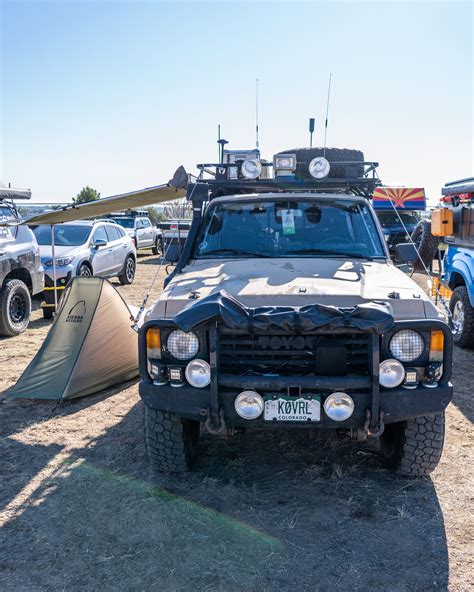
(442, 222)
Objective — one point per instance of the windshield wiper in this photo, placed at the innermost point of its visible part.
(233, 252)
(329, 253)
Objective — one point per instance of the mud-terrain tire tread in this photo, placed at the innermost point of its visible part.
(7, 329)
(466, 339)
(166, 441)
(419, 447)
(305, 155)
(428, 246)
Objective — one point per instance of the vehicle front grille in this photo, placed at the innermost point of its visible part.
(294, 355)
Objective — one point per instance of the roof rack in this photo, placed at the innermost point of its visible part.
(9, 193)
(351, 181)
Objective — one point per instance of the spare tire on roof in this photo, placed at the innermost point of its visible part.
(305, 155)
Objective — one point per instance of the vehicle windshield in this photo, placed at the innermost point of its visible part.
(125, 222)
(391, 218)
(325, 228)
(65, 235)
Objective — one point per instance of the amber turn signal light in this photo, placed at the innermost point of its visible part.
(436, 346)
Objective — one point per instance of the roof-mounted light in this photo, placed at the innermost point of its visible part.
(251, 168)
(284, 164)
(319, 168)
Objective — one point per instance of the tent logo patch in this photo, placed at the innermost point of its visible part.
(77, 313)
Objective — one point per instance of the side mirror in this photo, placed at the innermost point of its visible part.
(100, 242)
(406, 253)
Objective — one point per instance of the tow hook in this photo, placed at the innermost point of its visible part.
(366, 433)
(220, 429)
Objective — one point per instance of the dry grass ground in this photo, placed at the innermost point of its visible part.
(81, 510)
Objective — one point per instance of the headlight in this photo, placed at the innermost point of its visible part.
(319, 168)
(391, 373)
(59, 261)
(249, 405)
(339, 406)
(407, 345)
(251, 168)
(284, 163)
(198, 373)
(183, 346)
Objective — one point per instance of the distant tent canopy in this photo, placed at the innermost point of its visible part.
(90, 346)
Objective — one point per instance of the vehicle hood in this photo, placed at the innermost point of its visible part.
(46, 252)
(396, 228)
(297, 282)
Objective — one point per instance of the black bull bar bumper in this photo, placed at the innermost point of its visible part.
(375, 319)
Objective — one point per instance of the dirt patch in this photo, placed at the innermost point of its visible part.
(265, 511)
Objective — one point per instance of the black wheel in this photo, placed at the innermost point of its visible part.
(413, 448)
(171, 442)
(463, 317)
(426, 243)
(15, 308)
(48, 312)
(84, 270)
(305, 155)
(128, 273)
(158, 248)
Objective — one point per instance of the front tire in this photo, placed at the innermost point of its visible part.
(158, 248)
(84, 270)
(15, 308)
(128, 273)
(171, 442)
(463, 317)
(413, 447)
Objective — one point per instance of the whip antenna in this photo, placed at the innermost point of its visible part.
(327, 113)
(257, 144)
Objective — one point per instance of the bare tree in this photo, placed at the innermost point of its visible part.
(179, 209)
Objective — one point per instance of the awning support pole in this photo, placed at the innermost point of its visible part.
(53, 254)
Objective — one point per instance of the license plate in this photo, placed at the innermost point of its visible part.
(285, 408)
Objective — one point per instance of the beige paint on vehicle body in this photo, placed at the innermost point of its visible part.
(297, 282)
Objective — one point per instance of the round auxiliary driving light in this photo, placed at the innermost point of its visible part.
(249, 405)
(319, 168)
(198, 373)
(391, 373)
(339, 406)
(182, 346)
(251, 168)
(407, 345)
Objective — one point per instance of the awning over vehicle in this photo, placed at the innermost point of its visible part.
(174, 189)
(90, 346)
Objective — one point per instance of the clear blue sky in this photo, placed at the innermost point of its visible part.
(117, 94)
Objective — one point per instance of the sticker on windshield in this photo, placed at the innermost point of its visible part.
(203, 246)
(288, 221)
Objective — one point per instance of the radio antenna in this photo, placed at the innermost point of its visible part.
(257, 144)
(327, 114)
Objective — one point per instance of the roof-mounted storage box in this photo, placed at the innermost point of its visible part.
(442, 222)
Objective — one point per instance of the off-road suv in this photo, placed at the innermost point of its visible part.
(286, 311)
(21, 273)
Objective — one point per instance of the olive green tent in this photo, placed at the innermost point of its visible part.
(90, 346)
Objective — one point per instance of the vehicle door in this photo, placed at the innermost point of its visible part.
(101, 252)
(118, 245)
(148, 234)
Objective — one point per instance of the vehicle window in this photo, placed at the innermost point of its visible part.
(146, 223)
(65, 235)
(124, 222)
(139, 224)
(100, 234)
(6, 213)
(113, 232)
(290, 229)
(391, 218)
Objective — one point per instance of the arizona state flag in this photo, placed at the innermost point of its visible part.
(403, 198)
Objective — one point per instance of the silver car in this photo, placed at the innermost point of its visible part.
(87, 248)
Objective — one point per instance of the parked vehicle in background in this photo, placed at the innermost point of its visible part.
(454, 221)
(139, 227)
(21, 272)
(174, 235)
(99, 248)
